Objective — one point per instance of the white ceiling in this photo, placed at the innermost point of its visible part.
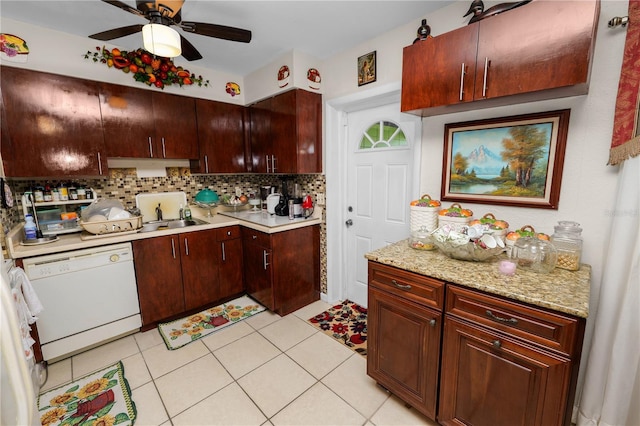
(318, 28)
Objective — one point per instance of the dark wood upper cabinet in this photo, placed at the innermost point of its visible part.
(145, 124)
(286, 133)
(541, 50)
(51, 125)
(221, 135)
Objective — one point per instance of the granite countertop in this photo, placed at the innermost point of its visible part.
(561, 290)
(66, 242)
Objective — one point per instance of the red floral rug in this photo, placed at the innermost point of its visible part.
(346, 322)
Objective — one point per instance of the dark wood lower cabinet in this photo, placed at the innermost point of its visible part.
(282, 270)
(159, 278)
(181, 273)
(501, 362)
(491, 379)
(403, 350)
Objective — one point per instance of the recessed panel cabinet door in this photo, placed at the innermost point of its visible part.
(159, 277)
(489, 379)
(53, 125)
(404, 349)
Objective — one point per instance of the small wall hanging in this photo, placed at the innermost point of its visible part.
(232, 88)
(313, 78)
(367, 68)
(283, 76)
(146, 68)
(13, 48)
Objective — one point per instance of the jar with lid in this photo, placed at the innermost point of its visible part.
(567, 240)
(535, 254)
(421, 239)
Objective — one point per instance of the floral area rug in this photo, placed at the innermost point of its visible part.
(101, 398)
(346, 322)
(180, 332)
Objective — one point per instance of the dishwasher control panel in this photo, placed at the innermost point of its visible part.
(79, 260)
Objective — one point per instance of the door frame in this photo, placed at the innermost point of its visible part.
(336, 146)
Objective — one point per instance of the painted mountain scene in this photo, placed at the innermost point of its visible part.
(508, 161)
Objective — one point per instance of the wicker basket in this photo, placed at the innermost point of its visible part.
(423, 217)
(457, 223)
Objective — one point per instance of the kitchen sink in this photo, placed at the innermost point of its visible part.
(157, 225)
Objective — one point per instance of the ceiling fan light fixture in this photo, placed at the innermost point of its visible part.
(161, 40)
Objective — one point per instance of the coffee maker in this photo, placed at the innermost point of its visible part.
(282, 209)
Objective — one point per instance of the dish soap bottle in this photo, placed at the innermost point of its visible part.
(187, 212)
(30, 228)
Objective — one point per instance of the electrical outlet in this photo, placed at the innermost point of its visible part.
(320, 198)
(238, 191)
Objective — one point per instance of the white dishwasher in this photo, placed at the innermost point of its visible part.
(89, 296)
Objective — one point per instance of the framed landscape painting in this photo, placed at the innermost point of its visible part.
(513, 161)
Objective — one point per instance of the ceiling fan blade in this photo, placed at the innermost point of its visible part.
(124, 7)
(117, 32)
(217, 31)
(189, 52)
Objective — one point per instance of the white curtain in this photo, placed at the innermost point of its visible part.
(611, 391)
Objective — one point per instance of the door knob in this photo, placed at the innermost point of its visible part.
(349, 222)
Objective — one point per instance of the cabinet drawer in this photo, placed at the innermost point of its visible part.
(551, 330)
(228, 233)
(256, 237)
(424, 290)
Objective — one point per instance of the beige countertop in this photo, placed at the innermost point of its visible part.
(76, 241)
(561, 290)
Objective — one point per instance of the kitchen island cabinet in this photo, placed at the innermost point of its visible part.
(511, 346)
(42, 109)
(286, 133)
(221, 135)
(282, 270)
(404, 329)
(542, 48)
(141, 123)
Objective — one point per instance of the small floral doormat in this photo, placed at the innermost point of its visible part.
(346, 322)
(101, 398)
(180, 332)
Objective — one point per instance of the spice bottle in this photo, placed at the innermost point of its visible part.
(64, 192)
(568, 241)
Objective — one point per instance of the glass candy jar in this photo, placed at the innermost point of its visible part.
(421, 239)
(568, 241)
(535, 254)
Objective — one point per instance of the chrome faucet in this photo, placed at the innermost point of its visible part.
(159, 212)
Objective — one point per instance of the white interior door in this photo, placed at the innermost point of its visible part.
(381, 162)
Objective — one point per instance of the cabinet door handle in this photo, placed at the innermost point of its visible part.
(484, 79)
(173, 248)
(462, 73)
(186, 246)
(402, 286)
(150, 147)
(273, 164)
(264, 259)
(254, 237)
(432, 323)
(99, 164)
(491, 315)
(224, 256)
(497, 344)
(267, 158)
(206, 163)
(164, 151)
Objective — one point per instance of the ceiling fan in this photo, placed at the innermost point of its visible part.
(168, 13)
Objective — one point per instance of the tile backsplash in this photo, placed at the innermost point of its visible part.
(125, 186)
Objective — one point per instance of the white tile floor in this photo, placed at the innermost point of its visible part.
(265, 370)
